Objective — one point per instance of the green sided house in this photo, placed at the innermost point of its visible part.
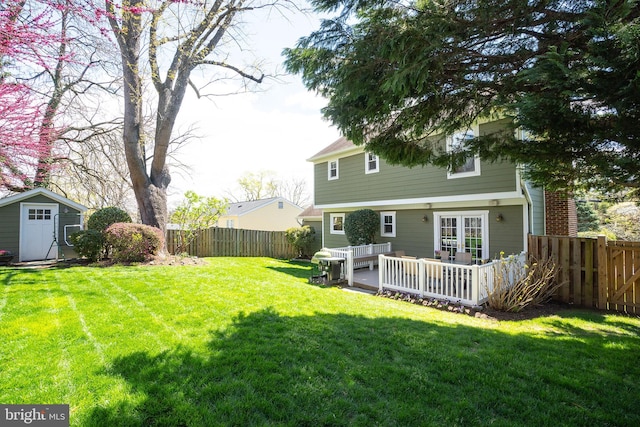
(483, 208)
(36, 224)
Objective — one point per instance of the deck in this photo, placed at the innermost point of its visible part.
(366, 278)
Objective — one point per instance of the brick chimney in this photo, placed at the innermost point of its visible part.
(561, 214)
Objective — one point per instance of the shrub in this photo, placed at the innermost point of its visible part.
(88, 244)
(134, 242)
(518, 285)
(360, 227)
(302, 238)
(103, 218)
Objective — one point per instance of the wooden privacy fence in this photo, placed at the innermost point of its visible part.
(234, 242)
(596, 272)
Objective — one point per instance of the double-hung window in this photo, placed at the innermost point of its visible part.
(332, 169)
(371, 163)
(471, 166)
(388, 224)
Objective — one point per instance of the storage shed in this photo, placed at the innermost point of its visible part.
(36, 224)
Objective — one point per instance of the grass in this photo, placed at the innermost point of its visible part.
(246, 341)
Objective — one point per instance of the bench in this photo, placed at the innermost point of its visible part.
(370, 258)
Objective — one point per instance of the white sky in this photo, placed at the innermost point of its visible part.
(276, 129)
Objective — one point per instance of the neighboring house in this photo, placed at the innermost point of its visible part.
(36, 224)
(273, 214)
(483, 208)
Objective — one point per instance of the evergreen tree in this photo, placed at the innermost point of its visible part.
(396, 73)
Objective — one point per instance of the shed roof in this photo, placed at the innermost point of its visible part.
(44, 192)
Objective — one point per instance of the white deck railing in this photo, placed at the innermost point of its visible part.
(351, 254)
(467, 284)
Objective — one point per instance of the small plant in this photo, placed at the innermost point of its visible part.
(88, 244)
(360, 227)
(4, 252)
(518, 285)
(302, 238)
(134, 242)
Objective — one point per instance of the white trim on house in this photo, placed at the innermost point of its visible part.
(420, 202)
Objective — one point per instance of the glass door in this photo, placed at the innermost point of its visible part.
(462, 231)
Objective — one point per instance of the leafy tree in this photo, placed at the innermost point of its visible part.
(52, 62)
(195, 214)
(182, 38)
(264, 184)
(396, 73)
(360, 227)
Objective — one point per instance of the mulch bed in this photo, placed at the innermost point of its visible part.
(549, 309)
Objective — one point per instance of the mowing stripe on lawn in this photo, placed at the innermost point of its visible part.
(99, 349)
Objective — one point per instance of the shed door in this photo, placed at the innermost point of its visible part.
(38, 231)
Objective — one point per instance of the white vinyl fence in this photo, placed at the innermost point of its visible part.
(359, 256)
(467, 284)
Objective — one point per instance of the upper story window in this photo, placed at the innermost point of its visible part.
(280, 205)
(388, 224)
(472, 165)
(337, 223)
(333, 169)
(371, 163)
(230, 223)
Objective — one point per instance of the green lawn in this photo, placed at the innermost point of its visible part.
(246, 341)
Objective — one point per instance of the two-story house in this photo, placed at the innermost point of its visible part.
(483, 208)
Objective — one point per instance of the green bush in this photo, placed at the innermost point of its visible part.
(103, 218)
(88, 244)
(133, 242)
(360, 227)
(302, 238)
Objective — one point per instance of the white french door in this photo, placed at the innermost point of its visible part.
(462, 231)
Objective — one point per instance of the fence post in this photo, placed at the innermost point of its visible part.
(421, 276)
(381, 269)
(603, 273)
(475, 284)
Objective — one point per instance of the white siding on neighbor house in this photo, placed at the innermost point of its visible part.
(268, 217)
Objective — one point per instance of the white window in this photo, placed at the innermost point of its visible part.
(229, 223)
(333, 169)
(371, 163)
(337, 223)
(388, 224)
(472, 166)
